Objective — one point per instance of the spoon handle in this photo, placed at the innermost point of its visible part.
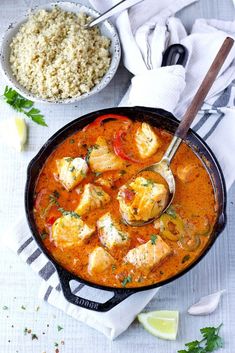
(204, 88)
(121, 6)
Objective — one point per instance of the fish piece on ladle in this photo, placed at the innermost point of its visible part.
(142, 199)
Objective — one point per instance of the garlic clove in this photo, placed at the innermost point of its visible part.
(206, 305)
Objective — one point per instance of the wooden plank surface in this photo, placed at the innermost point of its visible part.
(19, 285)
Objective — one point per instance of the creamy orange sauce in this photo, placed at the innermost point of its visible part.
(194, 203)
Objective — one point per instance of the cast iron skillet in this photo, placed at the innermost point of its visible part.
(175, 54)
(156, 117)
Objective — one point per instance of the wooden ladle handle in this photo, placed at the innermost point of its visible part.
(204, 88)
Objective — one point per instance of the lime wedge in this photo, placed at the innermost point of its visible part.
(14, 132)
(21, 132)
(162, 323)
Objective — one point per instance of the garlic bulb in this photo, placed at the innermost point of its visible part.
(206, 305)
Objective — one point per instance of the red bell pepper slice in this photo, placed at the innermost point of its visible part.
(39, 198)
(100, 119)
(53, 215)
(118, 148)
(51, 220)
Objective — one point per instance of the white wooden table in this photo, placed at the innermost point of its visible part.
(19, 285)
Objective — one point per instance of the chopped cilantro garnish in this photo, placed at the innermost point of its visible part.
(185, 259)
(66, 213)
(100, 193)
(89, 150)
(153, 239)
(113, 268)
(122, 172)
(171, 212)
(56, 194)
(148, 182)
(126, 280)
(59, 328)
(53, 199)
(122, 235)
(74, 214)
(43, 235)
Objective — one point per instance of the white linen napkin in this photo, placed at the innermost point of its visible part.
(144, 35)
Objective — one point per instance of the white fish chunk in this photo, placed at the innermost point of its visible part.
(102, 158)
(148, 255)
(99, 260)
(71, 171)
(70, 230)
(188, 173)
(110, 233)
(92, 197)
(107, 182)
(146, 141)
(142, 200)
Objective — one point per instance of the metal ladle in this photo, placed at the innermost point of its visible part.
(163, 167)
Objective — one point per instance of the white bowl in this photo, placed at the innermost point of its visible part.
(106, 28)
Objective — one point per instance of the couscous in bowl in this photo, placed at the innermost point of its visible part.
(107, 34)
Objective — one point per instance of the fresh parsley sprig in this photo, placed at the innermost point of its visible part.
(23, 105)
(210, 342)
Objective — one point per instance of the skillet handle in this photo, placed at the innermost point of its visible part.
(118, 297)
(175, 54)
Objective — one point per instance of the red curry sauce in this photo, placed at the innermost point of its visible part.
(194, 205)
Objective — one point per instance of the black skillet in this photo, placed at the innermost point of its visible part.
(156, 117)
